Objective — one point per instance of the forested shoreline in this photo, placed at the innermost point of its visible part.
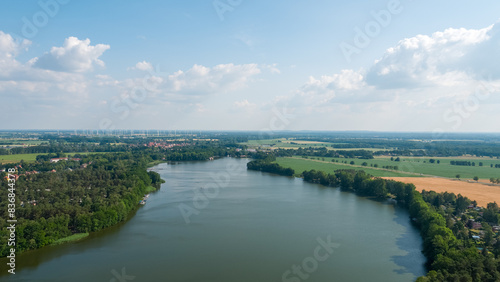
(55, 200)
(55, 205)
(452, 253)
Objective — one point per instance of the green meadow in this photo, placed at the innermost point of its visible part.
(300, 165)
(15, 158)
(294, 144)
(423, 166)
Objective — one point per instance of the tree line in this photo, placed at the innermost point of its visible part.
(267, 165)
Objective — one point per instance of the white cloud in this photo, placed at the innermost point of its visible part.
(273, 68)
(318, 92)
(345, 80)
(36, 86)
(422, 83)
(201, 80)
(9, 49)
(244, 105)
(74, 56)
(422, 70)
(441, 59)
(142, 66)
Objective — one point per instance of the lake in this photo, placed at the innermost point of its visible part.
(216, 221)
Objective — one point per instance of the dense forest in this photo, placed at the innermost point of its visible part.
(55, 205)
(86, 193)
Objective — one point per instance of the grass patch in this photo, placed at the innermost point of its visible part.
(153, 163)
(74, 237)
(150, 189)
(5, 159)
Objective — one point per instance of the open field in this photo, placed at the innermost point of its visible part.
(20, 142)
(293, 144)
(5, 159)
(482, 194)
(299, 165)
(444, 169)
(283, 143)
(18, 157)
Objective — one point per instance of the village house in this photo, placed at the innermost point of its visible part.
(12, 176)
(55, 160)
(472, 224)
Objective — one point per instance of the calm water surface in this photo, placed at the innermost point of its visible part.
(252, 227)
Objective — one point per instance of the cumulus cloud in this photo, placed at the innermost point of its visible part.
(421, 70)
(74, 56)
(42, 86)
(9, 49)
(445, 58)
(345, 80)
(318, 92)
(142, 66)
(273, 68)
(244, 104)
(440, 78)
(201, 80)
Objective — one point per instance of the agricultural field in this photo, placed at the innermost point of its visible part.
(299, 165)
(284, 143)
(423, 166)
(19, 142)
(482, 194)
(293, 144)
(479, 192)
(5, 159)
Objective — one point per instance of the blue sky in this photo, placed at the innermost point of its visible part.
(251, 65)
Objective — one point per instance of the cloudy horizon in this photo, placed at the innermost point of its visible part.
(219, 66)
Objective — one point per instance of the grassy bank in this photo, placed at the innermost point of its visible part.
(74, 237)
(150, 189)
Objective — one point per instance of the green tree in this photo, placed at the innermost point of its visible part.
(488, 234)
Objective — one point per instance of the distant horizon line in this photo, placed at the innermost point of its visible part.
(98, 131)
